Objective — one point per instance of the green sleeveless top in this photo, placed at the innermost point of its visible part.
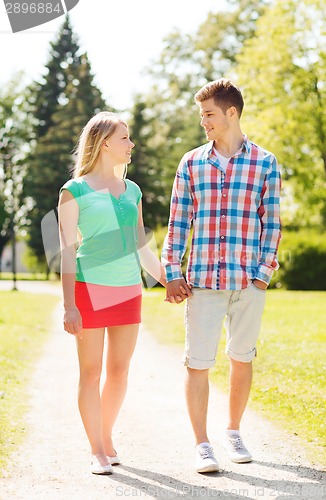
(107, 253)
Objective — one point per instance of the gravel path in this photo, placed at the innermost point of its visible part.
(153, 437)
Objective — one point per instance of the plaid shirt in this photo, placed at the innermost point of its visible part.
(235, 218)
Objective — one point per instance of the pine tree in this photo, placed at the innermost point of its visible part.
(146, 167)
(77, 100)
(50, 91)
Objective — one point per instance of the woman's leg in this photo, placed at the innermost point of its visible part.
(121, 344)
(90, 352)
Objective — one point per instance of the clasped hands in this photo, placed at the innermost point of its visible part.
(177, 291)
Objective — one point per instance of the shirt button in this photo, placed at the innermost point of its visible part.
(224, 195)
(223, 216)
(221, 258)
(222, 237)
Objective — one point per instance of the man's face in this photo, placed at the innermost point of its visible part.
(213, 119)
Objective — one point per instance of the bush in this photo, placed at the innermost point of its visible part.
(302, 257)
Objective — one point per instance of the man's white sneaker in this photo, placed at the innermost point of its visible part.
(237, 451)
(205, 460)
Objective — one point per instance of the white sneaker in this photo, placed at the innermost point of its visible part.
(237, 451)
(205, 460)
(97, 468)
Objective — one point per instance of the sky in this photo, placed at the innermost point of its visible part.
(121, 38)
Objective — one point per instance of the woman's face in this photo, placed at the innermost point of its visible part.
(119, 145)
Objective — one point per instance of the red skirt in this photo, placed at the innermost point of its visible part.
(102, 306)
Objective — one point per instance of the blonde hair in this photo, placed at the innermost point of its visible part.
(99, 128)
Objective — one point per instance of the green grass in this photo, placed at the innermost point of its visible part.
(29, 276)
(25, 320)
(290, 370)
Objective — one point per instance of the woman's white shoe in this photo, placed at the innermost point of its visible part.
(97, 468)
(114, 460)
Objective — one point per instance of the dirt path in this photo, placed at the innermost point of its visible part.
(153, 437)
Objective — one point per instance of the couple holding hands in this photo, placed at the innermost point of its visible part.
(228, 191)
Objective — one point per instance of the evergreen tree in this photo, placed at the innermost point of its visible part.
(144, 169)
(78, 99)
(161, 138)
(50, 91)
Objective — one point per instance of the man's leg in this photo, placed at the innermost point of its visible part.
(197, 391)
(204, 314)
(239, 389)
(242, 325)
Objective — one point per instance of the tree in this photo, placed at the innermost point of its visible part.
(220, 38)
(282, 72)
(77, 100)
(188, 61)
(168, 113)
(15, 129)
(161, 138)
(47, 94)
(142, 169)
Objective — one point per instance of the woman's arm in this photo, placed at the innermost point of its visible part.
(68, 218)
(148, 260)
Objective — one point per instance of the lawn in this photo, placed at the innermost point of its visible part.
(25, 320)
(290, 370)
(8, 276)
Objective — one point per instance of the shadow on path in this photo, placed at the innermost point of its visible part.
(170, 487)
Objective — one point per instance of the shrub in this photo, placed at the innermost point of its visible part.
(302, 257)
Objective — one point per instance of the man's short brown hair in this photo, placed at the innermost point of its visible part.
(224, 93)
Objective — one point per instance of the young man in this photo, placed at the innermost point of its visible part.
(228, 190)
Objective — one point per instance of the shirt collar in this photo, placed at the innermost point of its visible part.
(245, 148)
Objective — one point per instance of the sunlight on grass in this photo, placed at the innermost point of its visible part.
(25, 320)
(290, 370)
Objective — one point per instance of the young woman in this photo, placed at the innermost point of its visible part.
(102, 242)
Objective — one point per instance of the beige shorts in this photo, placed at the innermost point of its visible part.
(204, 315)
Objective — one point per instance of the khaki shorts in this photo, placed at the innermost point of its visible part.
(204, 315)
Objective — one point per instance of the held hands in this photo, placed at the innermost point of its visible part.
(177, 291)
(72, 322)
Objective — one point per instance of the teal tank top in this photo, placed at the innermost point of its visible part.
(107, 253)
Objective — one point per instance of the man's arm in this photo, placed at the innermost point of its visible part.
(269, 214)
(175, 243)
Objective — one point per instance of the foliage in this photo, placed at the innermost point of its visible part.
(302, 257)
(280, 67)
(282, 73)
(49, 92)
(308, 271)
(146, 170)
(222, 35)
(64, 103)
(15, 130)
(169, 124)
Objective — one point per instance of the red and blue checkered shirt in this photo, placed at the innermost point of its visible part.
(234, 214)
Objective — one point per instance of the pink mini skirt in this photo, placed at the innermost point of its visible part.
(102, 306)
